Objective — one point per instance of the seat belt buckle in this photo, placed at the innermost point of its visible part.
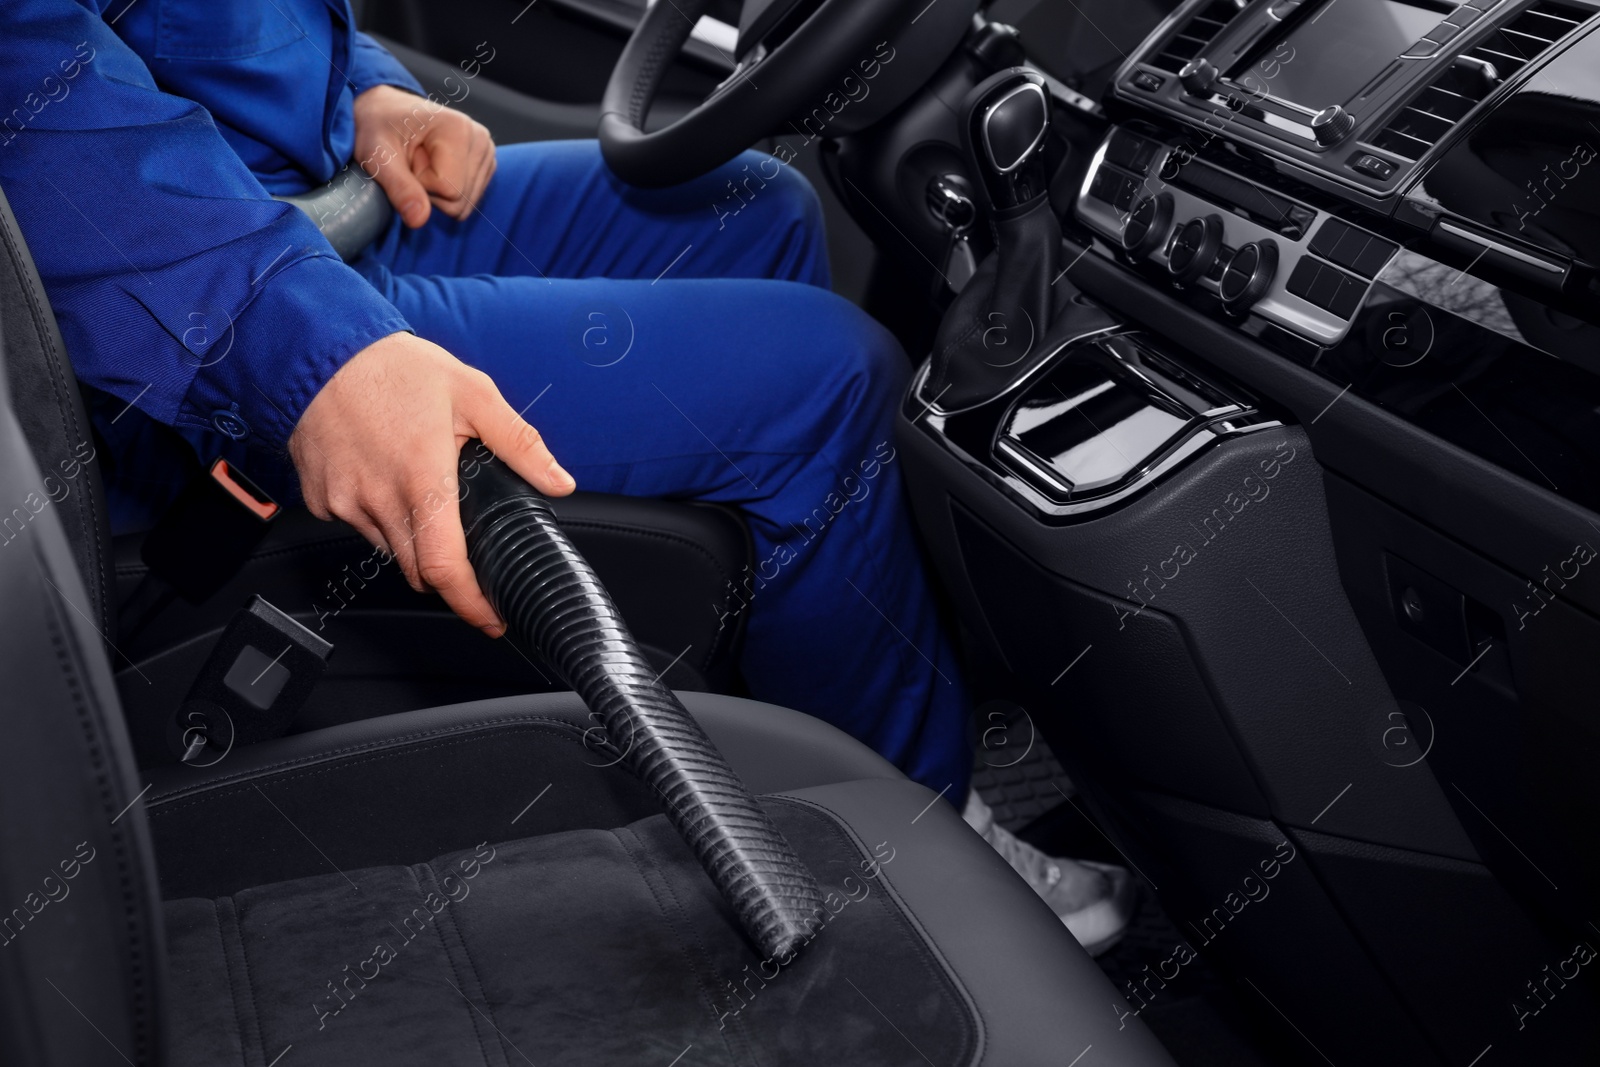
(256, 679)
(209, 532)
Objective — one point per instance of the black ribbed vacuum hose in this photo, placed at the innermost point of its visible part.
(553, 602)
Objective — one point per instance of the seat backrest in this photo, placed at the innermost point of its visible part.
(53, 421)
(82, 951)
(81, 944)
(351, 211)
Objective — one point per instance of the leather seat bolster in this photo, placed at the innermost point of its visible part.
(400, 788)
(48, 406)
(774, 749)
(673, 568)
(1040, 998)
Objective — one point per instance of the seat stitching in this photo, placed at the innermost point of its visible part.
(466, 951)
(38, 306)
(438, 928)
(477, 978)
(922, 941)
(162, 803)
(227, 970)
(676, 922)
(69, 657)
(255, 1040)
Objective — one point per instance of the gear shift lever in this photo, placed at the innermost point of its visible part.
(1008, 127)
(1012, 313)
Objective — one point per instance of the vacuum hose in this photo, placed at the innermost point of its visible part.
(553, 602)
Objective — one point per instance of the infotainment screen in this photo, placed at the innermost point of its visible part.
(1337, 49)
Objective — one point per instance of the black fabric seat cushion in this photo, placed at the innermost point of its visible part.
(570, 935)
(584, 947)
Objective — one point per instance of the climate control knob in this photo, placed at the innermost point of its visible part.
(1197, 77)
(1248, 275)
(1195, 249)
(1331, 125)
(1147, 226)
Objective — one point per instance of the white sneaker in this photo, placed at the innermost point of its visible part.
(1094, 900)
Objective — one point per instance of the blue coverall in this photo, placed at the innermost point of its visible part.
(677, 343)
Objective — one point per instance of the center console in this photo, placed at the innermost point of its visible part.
(1102, 419)
(1261, 511)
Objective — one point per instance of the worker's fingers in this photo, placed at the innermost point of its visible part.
(458, 199)
(440, 548)
(442, 562)
(519, 445)
(403, 189)
(479, 161)
(450, 166)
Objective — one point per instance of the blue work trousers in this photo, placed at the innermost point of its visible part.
(683, 343)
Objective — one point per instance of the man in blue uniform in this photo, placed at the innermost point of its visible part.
(663, 344)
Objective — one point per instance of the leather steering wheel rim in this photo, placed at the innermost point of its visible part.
(749, 104)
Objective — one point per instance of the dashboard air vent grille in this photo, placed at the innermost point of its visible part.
(1436, 108)
(1445, 101)
(1520, 41)
(1194, 35)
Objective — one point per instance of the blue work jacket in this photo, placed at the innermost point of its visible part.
(139, 145)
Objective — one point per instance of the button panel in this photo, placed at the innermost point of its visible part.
(1442, 33)
(1322, 321)
(1327, 286)
(1113, 188)
(1131, 152)
(1372, 166)
(1460, 19)
(1350, 247)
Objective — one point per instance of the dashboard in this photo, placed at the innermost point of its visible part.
(1400, 194)
(1355, 96)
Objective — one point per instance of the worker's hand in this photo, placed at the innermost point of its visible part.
(422, 152)
(378, 448)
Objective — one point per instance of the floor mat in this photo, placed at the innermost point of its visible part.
(1015, 773)
(1202, 1016)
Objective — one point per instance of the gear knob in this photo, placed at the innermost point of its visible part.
(1007, 125)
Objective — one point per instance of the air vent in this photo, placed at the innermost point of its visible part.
(1517, 43)
(1472, 76)
(1436, 108)
(1198, 32)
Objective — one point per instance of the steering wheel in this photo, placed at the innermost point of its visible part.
(794, 57)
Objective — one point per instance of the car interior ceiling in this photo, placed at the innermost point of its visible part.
(1269, 552)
